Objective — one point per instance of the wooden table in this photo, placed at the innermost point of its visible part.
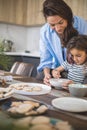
(77, 120)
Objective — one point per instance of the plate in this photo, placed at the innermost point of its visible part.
(23, 108)
(1, 99)
(3, 91)
(70, 104)
(44, 89)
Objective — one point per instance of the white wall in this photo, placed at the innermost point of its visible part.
(24, 38)
(33, 36)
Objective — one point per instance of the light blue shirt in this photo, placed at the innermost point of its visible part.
(50, 44)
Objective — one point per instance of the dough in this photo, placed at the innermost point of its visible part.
(23, 108)
(42, 109)
(40, 120)
(41, 127)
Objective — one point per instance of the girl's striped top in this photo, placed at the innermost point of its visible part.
(75, 72)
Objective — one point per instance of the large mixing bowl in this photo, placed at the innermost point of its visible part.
(58, 83)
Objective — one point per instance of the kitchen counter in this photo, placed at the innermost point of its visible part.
(30, 54)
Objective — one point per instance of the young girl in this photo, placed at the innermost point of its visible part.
(77, 68)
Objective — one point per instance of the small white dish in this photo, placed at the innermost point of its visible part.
(78, 90)
(58, 83)
(70, 104)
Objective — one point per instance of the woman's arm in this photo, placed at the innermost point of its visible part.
(47, 75)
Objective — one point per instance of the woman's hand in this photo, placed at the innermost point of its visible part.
(46, 79)
(56, 73)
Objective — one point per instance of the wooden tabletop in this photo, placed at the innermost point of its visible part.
(77, 120)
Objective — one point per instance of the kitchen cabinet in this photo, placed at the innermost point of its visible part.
(17, 11)
(4, 10)
(13, 11)
(21, 12)
(79, 7)
(34, 12)
(29, 12)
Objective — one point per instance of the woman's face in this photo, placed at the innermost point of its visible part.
(78, 56)
(57, 23)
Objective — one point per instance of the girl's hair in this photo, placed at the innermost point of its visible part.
(60, 8)
(77, 42)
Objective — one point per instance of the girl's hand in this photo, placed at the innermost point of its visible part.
(65, 85)
(46, 79)
(56, 73)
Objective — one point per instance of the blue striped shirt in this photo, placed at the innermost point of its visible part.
(75, 72)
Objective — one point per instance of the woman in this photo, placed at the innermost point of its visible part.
(60, 27)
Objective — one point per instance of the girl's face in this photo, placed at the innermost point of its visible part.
(57, 23)
(78, 56)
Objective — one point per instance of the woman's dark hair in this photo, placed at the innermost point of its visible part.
(77, 42)
(60, 8)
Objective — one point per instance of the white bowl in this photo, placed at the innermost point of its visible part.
(78, 90)
(58, 83)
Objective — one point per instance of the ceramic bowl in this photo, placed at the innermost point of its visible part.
(58, 83)
(78, 90)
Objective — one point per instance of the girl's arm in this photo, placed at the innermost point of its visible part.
(56, 72)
